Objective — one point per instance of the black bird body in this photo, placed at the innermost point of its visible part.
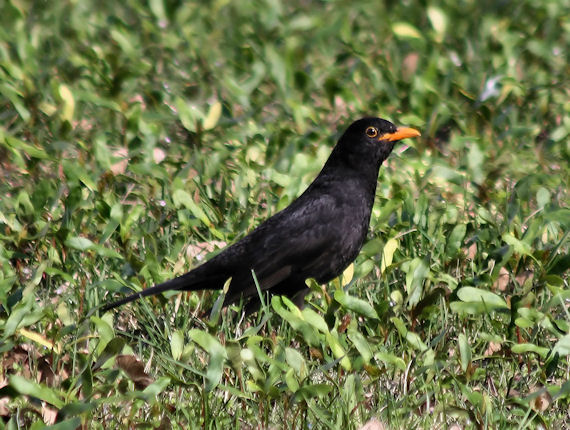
(317, 236)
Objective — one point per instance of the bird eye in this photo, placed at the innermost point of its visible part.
(371, 132)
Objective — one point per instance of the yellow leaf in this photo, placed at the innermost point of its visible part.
(347, 275)
(35, 337)
(388, 254)
(406, 31)
(213, 116)
(68, 103)
(438, 20)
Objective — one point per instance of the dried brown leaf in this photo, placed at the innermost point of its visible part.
(134, 368)
(503, 280)
(120, 166)
(374, 424)
(541, 402)
(492, 348)
(49, 414)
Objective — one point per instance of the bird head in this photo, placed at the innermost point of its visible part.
(369, 141)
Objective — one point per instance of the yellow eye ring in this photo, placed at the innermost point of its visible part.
(371, 132)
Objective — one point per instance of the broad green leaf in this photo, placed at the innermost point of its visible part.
(373, 247)
(530, 314)
(477, 295)
(391, 359)
(150, 393)
(291, 380)
(360, 342)
(121, 37)
(554, 281)
(412, 338)
(455, 240)
(17, 316)
(337, 350)
(217, 356)
(157, 8)
(189, 115)
(177, 344)
(560, 215)
(400, 326)
(364, 268)
(416, 341)
(207, 342)
(475, 161)
(104, 330)
(102, 153)
(542, 197)
(524, 323)
(562, 347)
(80, 243)
(75, 173)
(350, 391)
(112, 348)
(86, 381)
(522, 348)
(564, 391)
(416, 272)
(314, 319)
(38, 273)
(519, 246)
(106, 252)
(295, 359)
(355, 304)
(70, 424)
(471, 308)
(248, 357)
(464, 351)
(40, 391)
(182, 198)
(308, 392)
(295, 319)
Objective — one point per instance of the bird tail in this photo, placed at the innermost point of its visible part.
(186, 282)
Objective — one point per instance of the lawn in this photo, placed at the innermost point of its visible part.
(139, 138)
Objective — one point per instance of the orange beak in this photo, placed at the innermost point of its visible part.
(400, 133)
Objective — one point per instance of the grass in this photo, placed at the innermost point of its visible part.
(137, 139)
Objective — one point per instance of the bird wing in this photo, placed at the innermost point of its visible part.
(291, 246)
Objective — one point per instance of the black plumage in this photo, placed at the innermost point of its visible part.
(317, 236)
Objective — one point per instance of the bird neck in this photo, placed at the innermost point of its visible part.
(354, 164)
(358, 176)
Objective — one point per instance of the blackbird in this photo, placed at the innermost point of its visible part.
(317, 236)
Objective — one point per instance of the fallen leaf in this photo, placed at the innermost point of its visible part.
(542, 401)
(492, 348)
(524, 277)
(198, 250)
(120, 166)
(158, 155)
(134, 368)
(373, 424)
(471, 252)
(503, 280)
(49, 414)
